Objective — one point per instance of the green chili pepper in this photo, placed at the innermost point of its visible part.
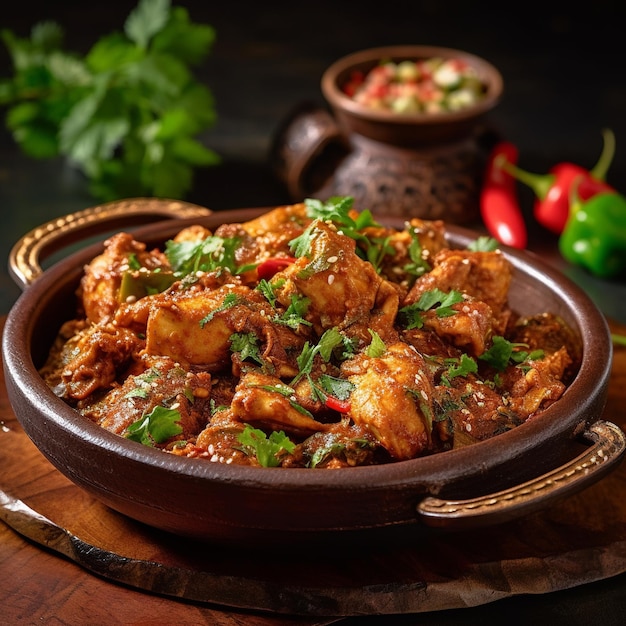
(595, 234)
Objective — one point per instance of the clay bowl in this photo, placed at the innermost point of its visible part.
(408, 129)
(503, 478)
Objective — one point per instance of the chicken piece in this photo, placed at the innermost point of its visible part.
(92, 358)
(275, 220)
(343, 290)
(484, 276)
(468, 411)
(470, 328)
(99, 287)
(549, 333)
(194, 233)
(267, 402)
(219, 442)
(163, 383)
(344, 444)
(194, 326)
(393, 398)
(538, 384)
(430, 237)
(197, 329)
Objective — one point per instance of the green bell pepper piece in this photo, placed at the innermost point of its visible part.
(594, 236)
(139, 284)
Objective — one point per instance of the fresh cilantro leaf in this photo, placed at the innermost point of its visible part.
(499, 353)
(301, 245)
(146, 20)
(212, 253)
(337, 387)
(268, 450)
(247, 344)
(128, 114)
(335, 209)
(137, 392)
(502, 352)
(268, 291)
(230, 299)
(295, 312)
(418, 264)
(462, 366)
(377, 346)
(183, 39)
(338, 209)
(330, 340)
(440, 301)
(483, 244)
(435, 299)
(155, 427)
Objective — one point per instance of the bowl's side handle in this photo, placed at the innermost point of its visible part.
(607, 449)
(28, 252)
(301, 139)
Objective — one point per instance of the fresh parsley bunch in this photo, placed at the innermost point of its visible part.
(128, 113)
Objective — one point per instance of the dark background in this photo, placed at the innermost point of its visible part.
(565, 80)
(563, 69)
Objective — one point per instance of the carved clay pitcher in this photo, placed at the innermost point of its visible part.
(427, 165)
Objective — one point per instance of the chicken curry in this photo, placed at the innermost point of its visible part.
(312, 337)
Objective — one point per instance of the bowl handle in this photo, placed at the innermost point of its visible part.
(301, 139)
(609, 444)
(26, 255)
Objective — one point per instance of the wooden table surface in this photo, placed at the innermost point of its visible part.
(569, 547)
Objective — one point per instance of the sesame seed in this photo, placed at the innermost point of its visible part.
(331, 279)
(333, 259)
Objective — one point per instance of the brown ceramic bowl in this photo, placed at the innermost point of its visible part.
(480, 484)
(408, 128)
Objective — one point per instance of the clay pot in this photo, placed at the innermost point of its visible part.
(502, 478)
(427, 165)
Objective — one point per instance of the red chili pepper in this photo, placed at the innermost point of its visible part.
(499, 206)
(343, 406)
(553, 190)
(266, 269)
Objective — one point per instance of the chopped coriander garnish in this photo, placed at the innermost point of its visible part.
(418, 264)
(268, 450)
(212, 253)
(435, 299)
(295, 312)
(462, 366)
(229, 301)
(502, 352)
(155, 427)
(338, 210)
(247, 344)
(377, 346)
(483, 244)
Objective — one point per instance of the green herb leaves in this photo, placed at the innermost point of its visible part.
(435, 299)
(155, 427)
(351, 224)
(268, 450)
(128, 113)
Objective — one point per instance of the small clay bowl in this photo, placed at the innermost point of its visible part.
(408, 129)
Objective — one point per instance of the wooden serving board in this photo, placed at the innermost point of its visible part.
(577, 540)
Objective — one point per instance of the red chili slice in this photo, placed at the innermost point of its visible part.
(269, 267)
(342, 406)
